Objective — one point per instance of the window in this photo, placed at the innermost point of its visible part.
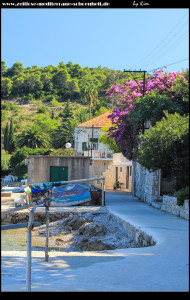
(127, 178)
(120, 169)
(95, 143)
(130, 171)
(85, 146)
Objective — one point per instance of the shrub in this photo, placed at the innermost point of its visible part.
(182, 194)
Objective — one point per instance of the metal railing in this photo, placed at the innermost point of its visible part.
(43, 201)
(30, 225)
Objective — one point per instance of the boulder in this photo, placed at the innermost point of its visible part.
(92, 229)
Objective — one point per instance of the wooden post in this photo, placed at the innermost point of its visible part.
(103, 194)
(47, 232)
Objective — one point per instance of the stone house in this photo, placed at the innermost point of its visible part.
(114, 167)
(86, 137)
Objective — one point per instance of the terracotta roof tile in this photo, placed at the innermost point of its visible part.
(99, 121)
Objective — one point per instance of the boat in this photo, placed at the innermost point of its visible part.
(70, 194)
(62, 195)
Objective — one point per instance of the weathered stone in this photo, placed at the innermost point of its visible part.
(92, 229)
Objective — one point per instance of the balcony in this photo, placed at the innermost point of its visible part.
(105, 155)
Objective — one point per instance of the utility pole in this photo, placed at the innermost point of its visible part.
(143, 91)
(143, 128)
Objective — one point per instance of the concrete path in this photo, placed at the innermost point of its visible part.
(163, 267)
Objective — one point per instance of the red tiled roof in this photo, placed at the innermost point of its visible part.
(99, 121)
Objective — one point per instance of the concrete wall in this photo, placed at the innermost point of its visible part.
(39, 167)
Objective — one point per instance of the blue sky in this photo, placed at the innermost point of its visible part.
(115, 38)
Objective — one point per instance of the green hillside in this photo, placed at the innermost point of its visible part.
(41, 105)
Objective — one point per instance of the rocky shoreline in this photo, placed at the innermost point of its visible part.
(87, 231)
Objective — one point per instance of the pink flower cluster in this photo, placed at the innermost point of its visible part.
(162, 83)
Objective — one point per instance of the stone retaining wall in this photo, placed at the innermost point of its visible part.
(169, 204)
(39, 216)
(136, 234)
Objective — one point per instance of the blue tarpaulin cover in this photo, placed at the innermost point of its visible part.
(43, 187)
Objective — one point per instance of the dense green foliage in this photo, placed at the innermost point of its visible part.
(163, 108)
(66, 81)
(182, 194)
(41, 105)
(17, 160)
(166, 146)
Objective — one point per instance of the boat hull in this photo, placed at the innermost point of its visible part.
(71, 194)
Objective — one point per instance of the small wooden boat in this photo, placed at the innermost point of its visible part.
(71, 194)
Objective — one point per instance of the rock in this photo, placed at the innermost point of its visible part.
(92, 229)
(93, 245)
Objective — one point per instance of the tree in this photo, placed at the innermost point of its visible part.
(6, 85)
(166, 146)
(89, 91)
(3, 67)
(5, 161)
(17, 160)
(73, 87)
(60, 81)
(6, 135)
(81, 115)
(110, 142)
(33, 136)
(16, 69)
(11, 139)
(18, 85)
(67, 112)
(32, 83)
(65, 131)
(133, 109)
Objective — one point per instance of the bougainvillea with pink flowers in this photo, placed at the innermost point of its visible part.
(163, 92)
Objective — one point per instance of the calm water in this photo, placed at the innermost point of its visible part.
(15, 240)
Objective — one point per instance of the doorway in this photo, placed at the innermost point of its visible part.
(58, 173)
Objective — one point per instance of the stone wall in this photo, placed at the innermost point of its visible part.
(136, 234)
(169, 204)
(146, 184)
(39, 216)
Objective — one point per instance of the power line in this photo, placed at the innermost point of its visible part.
(169, 64)
(157, 47)
(176, 43)
(171, 39)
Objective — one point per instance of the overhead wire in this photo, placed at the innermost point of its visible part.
(153, 53)
(168, 65)
(172, 46)
(171, 39)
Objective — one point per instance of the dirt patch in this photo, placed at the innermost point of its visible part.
(87, 231)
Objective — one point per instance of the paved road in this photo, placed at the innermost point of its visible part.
(163, 267)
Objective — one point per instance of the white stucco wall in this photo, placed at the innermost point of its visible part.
(84, 134)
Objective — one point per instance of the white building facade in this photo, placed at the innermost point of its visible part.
(114, 167)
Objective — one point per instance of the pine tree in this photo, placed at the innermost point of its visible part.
(65, 130)
(6, 134)
(11, 139)
(67, 112)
